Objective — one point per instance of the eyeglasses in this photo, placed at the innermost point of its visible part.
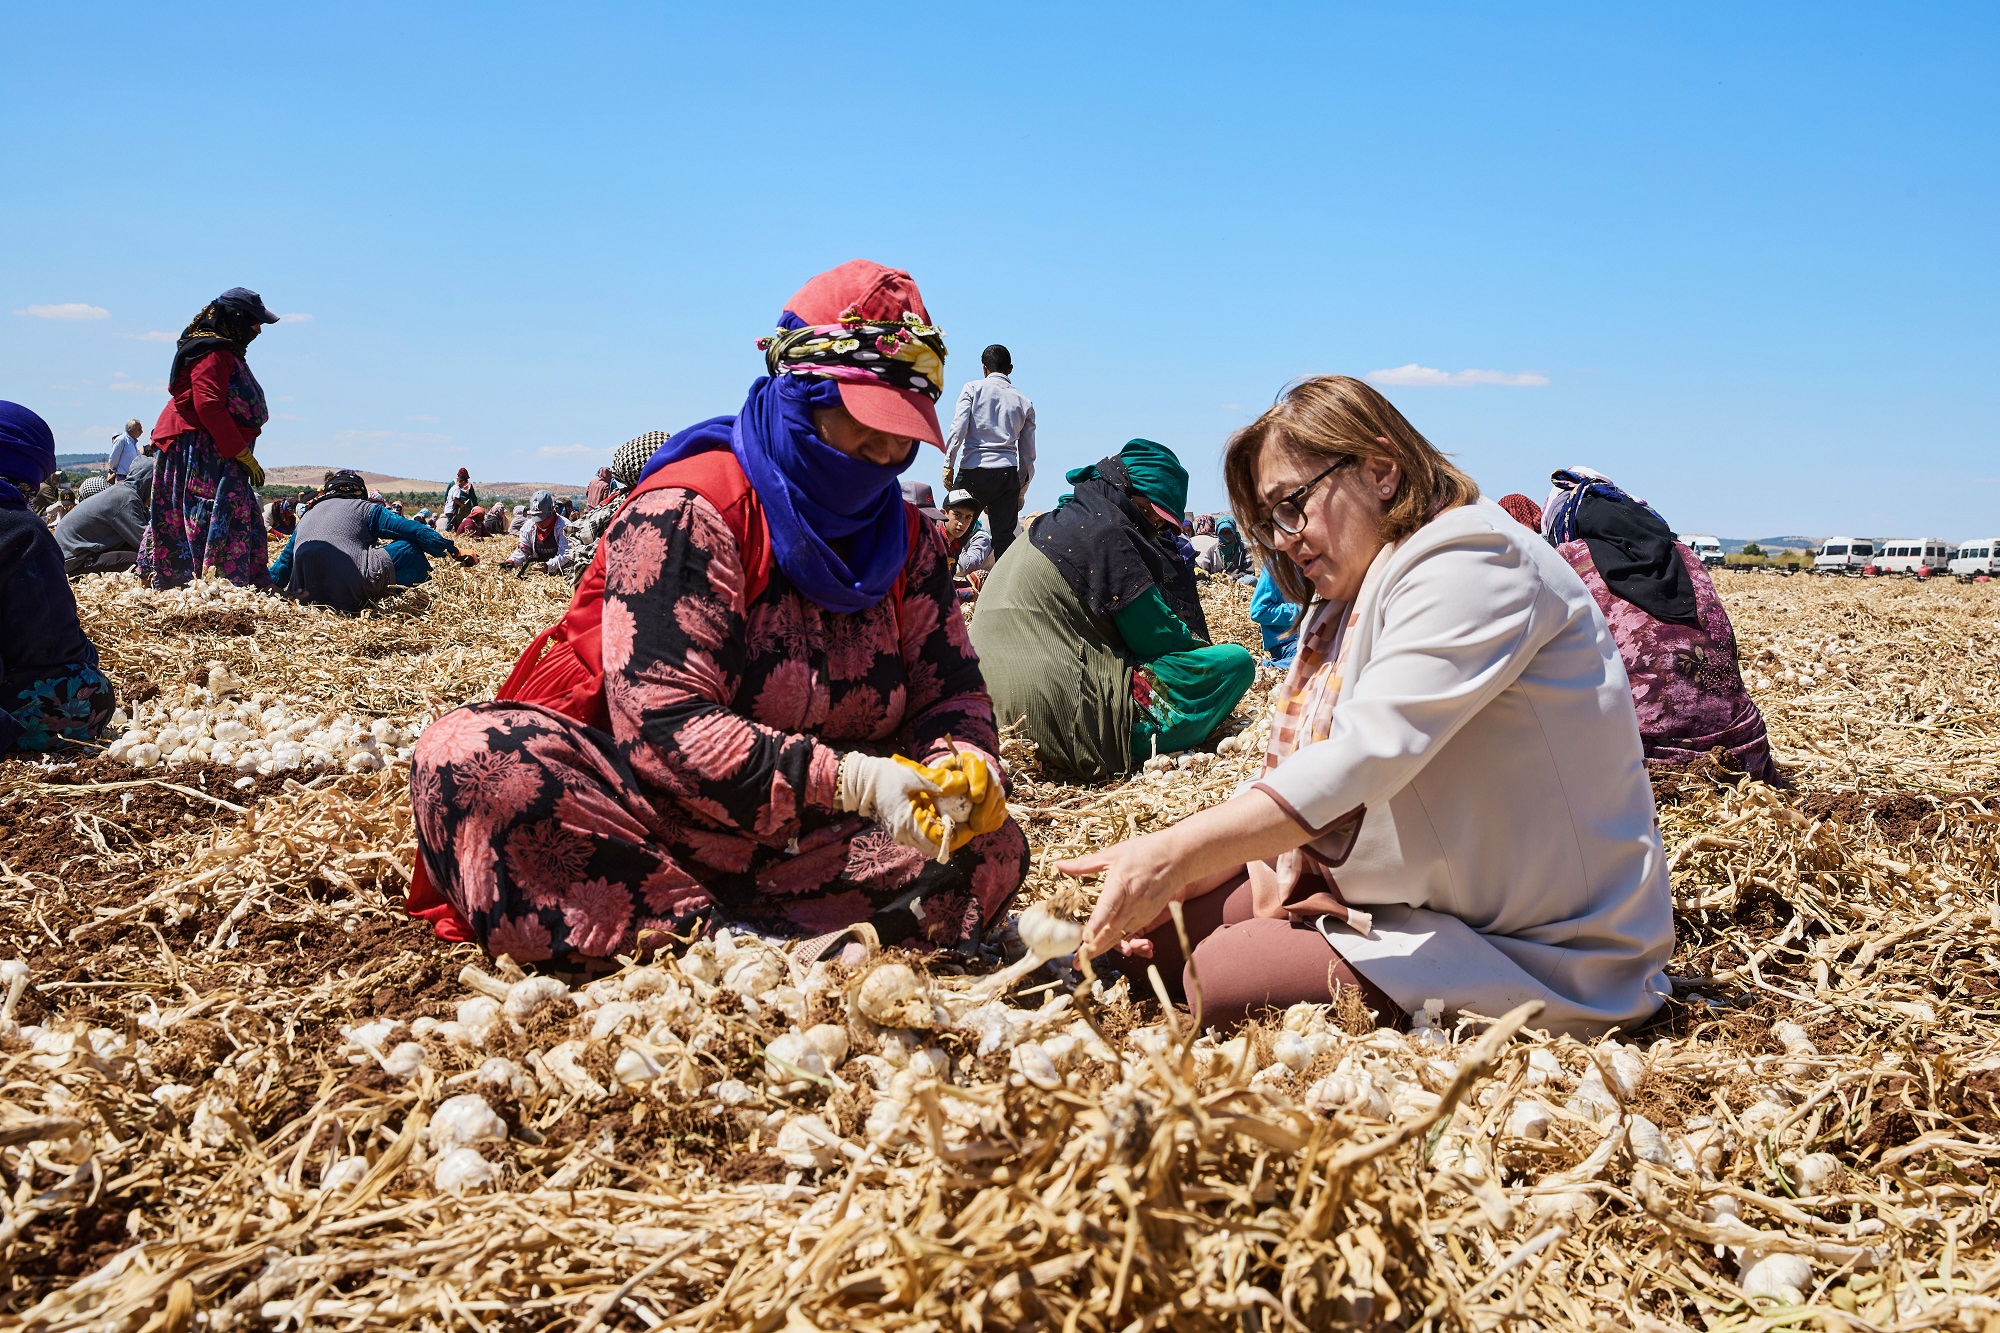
(1287, 516)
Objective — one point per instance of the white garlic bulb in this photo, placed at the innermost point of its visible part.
(1785, 1278)
(1032, 1063)
(460, 1170)
(634, 1067)
(806, 1142)
(830, 1041)
(1529, 1119)
(342, 1172)
(1291, 1051)
(528, 996)
(404, 1062)
(893, 996)
(792, 1049)
(1815, 1171)
(464, 1121)
(1047, 935)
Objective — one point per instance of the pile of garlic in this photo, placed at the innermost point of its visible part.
(208, 594)
(256, 736)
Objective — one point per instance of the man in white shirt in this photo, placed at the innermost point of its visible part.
(991, 449)
(124, 452)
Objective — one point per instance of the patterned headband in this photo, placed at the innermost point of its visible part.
(903, 354)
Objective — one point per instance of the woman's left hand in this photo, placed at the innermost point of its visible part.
(1141, 877)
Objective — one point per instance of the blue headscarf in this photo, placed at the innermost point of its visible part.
(27, 445)
(813, 495)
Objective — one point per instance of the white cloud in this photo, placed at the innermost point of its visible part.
(297, 317)
(364, 434)
(1414, 374)
(123, 383)
(67, 310)
(155, 336)
(418, 416)
(568, 451)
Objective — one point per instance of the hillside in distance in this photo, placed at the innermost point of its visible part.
(377, 481)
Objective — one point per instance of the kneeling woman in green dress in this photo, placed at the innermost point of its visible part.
(1092, 631)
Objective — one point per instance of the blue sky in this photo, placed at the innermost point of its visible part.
(1745, 259)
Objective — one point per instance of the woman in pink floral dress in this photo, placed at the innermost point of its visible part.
(752, 694)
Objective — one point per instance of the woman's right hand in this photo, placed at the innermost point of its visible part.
(1142, 876)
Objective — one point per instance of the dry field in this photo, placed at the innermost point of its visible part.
(239, 1088)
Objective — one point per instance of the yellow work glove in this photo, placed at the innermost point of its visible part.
(252, 467)
(967, 789)
(982, 787)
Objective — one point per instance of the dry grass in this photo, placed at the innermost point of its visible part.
(215, 1103)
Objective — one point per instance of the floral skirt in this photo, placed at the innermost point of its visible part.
(72, 704)
(204, 512)
(544, 841)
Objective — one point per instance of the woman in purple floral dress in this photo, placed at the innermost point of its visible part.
(753, 694)
(1675, 637)
(204, 509)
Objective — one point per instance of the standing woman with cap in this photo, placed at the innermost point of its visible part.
(759, 694)
(204, 505)
(1092, 630)
(51, 690)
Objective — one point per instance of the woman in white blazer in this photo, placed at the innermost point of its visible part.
(1454, 803)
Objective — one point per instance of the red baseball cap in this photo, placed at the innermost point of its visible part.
(874, 291)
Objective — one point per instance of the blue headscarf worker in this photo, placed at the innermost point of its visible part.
(785, 727)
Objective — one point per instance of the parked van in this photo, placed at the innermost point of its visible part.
(1707, 549)
(1977, 555)
(1907, 555)
(1839, 555)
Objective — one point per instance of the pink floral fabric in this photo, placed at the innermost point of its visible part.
(711, 797)
(1686, 683)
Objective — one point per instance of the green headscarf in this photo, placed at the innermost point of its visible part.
(1156, 473)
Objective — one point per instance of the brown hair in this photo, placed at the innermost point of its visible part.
(1337, 416)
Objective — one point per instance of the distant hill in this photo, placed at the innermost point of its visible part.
(378, 481)
(79, 460)
(1735, 545)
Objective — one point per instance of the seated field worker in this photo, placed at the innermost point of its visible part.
(51, 691)
(626, 464)
(101, 535)
(1453, 802)
(1673, 634)
(349, 551)
(1274, 614)
(784, 670)
(966, 543)
(544, 538)
(1091, 628)
(1229, 558)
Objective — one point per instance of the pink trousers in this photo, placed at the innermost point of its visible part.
(1247, 963)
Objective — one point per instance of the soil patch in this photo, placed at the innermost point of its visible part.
(233, 624)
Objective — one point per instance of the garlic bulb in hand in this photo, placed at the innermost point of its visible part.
(1047, 935)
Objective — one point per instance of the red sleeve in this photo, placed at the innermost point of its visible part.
(208, 387)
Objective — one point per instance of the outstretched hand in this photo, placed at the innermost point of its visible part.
(1142, 877)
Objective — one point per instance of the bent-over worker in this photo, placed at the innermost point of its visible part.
(1092, 629)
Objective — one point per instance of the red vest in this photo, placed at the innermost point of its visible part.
(563, 669)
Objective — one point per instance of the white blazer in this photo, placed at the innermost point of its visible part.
(1509, 848)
